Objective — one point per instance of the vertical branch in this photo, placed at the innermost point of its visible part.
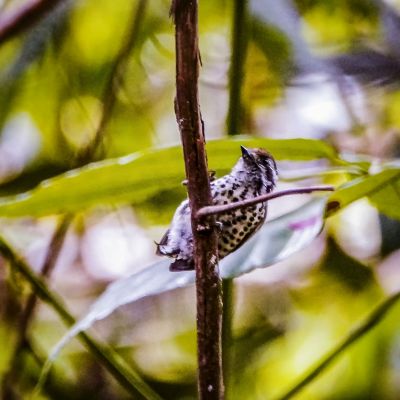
(208, 284)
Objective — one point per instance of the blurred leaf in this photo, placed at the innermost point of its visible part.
(390, 22)
(277, 27)
(35, 43)
(139, 176)
(383, 189)
(276, 240)
(369, 66)
(390, 232)
(347, 269)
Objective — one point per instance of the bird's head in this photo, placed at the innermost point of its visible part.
(260, 165)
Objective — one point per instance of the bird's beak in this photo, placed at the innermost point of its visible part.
(245, 151)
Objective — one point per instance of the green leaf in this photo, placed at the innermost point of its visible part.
(140, 176)
(276, 240)
(383, 189)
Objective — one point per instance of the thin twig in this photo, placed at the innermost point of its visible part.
(109, 359)
(208, 283)
(362, 328)
(215, 210)
(12, 23)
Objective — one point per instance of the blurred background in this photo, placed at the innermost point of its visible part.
(91, 80)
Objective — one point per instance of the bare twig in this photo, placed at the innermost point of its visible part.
(215, 210)
(208, 283)
(365, 326)
(12, 23)
(109, 359)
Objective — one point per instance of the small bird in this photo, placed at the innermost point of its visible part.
(254, 174)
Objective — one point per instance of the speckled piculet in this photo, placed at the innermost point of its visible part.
(254, 174)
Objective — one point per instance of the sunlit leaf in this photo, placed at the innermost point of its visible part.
(139, 176)
(383, 189)
(276, 240)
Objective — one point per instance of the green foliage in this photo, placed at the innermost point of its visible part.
(60, 76)
(382, 189)
(139, 177)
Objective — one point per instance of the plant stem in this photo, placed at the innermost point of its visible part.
(208, 283)
(361, 329)
(228, 288)
(215, 210)
(109, 359)
(234, 123)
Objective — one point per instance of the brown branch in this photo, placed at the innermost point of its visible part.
(12, 23)
(208, 283)
(215, 210)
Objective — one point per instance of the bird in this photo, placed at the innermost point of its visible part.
(254, 174)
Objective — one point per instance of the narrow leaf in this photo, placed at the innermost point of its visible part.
(137, 177)
(383, 189)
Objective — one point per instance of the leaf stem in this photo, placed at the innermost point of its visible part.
(361, 329)
(215, 210)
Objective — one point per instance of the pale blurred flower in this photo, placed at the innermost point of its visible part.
(357, 230)
(115, 246)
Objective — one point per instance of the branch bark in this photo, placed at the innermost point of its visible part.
(215, 210)
(208, 283)
(24, 17)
